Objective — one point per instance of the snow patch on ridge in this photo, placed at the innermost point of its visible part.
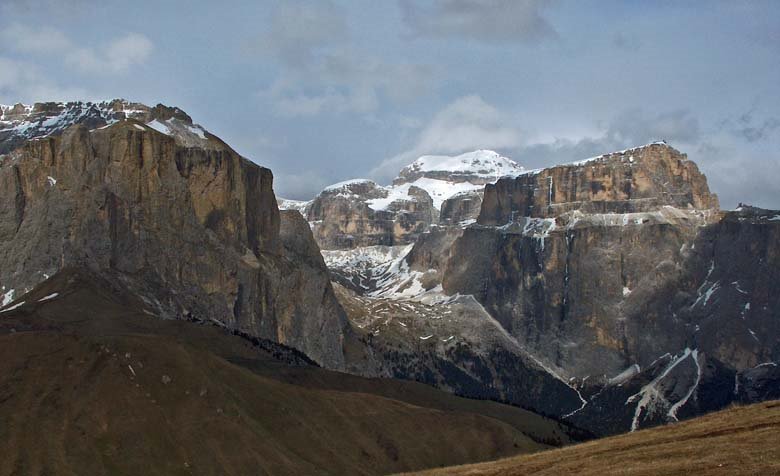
(651, 396)
(438, 190)
(346, 183)
(289, 204)
(480, 163)
(15, 306)
(598, 158)
(8, 297)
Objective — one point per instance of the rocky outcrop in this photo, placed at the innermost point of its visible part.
(20, 123)
(596, 293)
(433, 190)
(634, 180)
(349, 215)
(195, 231)
(461, 209)
(566, 287)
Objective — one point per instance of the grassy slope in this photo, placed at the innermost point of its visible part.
(737, 441)
(70, 403)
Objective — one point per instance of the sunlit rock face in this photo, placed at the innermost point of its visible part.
(634, 180)
(174, 213)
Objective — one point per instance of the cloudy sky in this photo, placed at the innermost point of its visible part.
(322, 91)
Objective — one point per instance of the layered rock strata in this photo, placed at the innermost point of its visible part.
(195, 230)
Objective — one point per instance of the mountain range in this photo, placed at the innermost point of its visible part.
(614, 284)
(589, 298)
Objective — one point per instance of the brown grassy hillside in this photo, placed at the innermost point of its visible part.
(90, 384)
(737, 441)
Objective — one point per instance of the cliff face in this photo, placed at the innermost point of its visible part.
(634, 180)
(569, 288)
(594, 293)
(622, 290)
(625, 278)
(361, 213)
(193, 230)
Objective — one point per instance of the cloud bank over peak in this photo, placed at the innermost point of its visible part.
(467, 123)
(117, 55)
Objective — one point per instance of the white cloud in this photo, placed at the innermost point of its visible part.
(44, 40)
(468, 123)
(289, 99)
(298, 186)
(22, 81)
(117, 56)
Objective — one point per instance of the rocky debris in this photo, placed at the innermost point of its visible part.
(360, 269)
(166, 379)
(194, 230)
(452, 344)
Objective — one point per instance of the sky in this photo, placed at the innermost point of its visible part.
(323, 91)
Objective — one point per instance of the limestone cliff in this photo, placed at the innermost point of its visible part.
(634, 180)
(618, 276)
(193, 228)
(361, 213)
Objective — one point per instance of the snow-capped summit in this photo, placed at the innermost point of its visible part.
(432, 190)
(21, 122)
(477, 167)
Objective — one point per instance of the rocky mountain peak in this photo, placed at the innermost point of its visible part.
(20, 122)
(356, 187)
(639, 179)
(432, 190)
(477, 167)
(141, 196)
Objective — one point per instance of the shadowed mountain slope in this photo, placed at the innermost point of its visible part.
(92, 384)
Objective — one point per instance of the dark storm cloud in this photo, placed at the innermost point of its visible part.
(626, 41)
(492, 21)
(630, 128)
(752, 128)
(299, 29)
(740, 174)
(323, 71)
(637, 127)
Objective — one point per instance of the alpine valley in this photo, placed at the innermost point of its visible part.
(163, 312)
